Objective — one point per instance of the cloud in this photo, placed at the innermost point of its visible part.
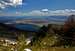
(42, 12)
(35, 12)
(16, 2)
(10, 14)
(2, 6)
(5, 3)
(47, 12)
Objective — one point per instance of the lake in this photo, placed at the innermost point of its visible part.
(27, 27)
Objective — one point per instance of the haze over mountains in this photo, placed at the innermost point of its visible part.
(43, 20)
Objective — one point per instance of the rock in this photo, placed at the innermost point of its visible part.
(27, 49)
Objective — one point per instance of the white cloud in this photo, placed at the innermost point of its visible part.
(5, 3)
(47, 12)
(16, 2)
(2, 6)
(65, 12)
(35, 12)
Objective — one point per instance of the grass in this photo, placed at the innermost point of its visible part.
(39, 46)
(53, 49)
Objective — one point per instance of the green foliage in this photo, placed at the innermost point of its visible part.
(21, 43)
(3, 48)
(49, 41)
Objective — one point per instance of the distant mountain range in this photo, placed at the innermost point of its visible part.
(35, 19)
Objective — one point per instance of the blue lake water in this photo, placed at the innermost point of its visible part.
(28, 27)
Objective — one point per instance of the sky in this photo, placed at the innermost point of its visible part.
(36, 7)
